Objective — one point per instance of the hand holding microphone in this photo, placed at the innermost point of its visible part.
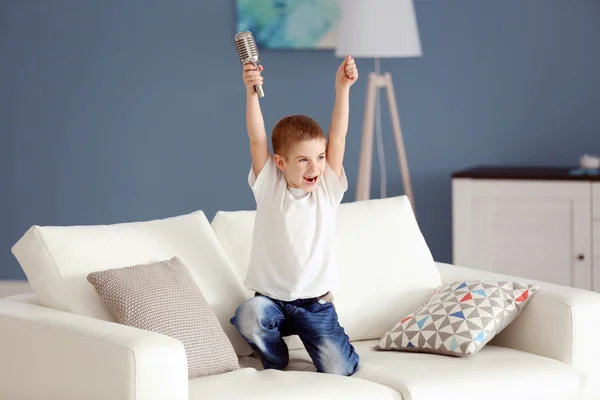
(248, 53)
(253, 79)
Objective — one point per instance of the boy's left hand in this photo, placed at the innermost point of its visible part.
(346, 74)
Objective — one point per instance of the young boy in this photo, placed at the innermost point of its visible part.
(293, 265)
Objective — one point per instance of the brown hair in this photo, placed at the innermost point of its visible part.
(293, 129)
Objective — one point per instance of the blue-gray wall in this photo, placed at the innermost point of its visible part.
(116, 110)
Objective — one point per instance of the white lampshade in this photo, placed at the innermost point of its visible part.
(378, 29)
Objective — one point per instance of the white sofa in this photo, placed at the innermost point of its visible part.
(63, 343)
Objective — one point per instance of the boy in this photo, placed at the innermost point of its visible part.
(293, 265)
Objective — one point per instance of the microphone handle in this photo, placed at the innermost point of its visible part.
(258, 88)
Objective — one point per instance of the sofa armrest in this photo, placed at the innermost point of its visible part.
(559, 322)
(51, 354)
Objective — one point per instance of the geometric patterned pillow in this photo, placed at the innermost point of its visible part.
(459, 318)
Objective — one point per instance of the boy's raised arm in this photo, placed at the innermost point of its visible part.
(259, 145)
(346, 75)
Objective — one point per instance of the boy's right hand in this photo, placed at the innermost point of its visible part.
(252, 77)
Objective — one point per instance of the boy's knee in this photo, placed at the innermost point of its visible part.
(250, 316)
(344, 367)
(333, 361)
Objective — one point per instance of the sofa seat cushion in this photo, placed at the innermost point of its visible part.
(493, 373)
(251, 384)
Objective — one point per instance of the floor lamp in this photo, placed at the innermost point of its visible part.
(379, 29)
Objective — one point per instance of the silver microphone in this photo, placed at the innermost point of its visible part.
(248, 52)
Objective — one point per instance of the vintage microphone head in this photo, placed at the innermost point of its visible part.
(246, 47)
(248, 52)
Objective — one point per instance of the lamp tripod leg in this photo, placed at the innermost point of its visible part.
(363, 186)
(391, 97)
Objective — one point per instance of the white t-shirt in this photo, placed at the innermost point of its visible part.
(293, 249)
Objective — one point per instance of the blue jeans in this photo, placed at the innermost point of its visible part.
(263, 322)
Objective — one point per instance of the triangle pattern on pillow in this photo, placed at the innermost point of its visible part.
(459, 318)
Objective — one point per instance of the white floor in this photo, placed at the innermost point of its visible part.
(9, 288)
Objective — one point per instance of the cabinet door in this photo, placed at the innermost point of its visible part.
(596, 200)
(596, 235)
(533, 229)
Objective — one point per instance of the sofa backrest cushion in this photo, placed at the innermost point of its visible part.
(234, 229)
(57, 261)
(386, 267)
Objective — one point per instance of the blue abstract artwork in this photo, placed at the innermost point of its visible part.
(290, 24)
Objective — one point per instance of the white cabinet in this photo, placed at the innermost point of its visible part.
(537, 223)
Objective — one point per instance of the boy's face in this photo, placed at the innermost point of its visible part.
(304, 164)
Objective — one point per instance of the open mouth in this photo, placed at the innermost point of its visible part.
(310, 179)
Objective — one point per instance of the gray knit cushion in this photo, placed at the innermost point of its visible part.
(162, 297)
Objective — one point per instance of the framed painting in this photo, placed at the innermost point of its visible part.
(290, 24)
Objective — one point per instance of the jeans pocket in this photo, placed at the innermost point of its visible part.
(320, 306)
(326, 298)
